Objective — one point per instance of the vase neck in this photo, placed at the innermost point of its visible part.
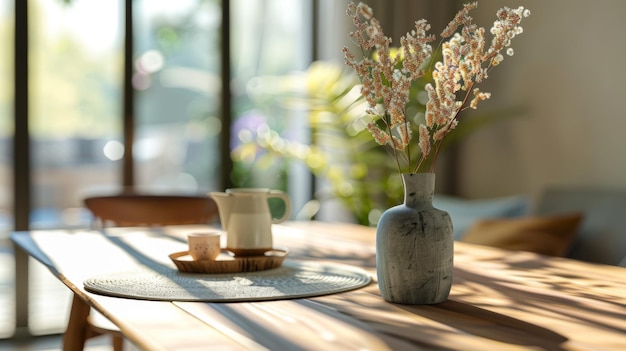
(418, 187)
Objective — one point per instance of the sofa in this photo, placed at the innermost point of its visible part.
(587, 224)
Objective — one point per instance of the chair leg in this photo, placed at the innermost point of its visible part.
(118, 342)
(75, 334)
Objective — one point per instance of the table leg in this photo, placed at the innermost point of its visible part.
(21, 290)
(75, 334)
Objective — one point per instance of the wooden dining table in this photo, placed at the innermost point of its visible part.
(500, 300)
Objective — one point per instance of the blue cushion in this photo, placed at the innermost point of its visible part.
(464, 212)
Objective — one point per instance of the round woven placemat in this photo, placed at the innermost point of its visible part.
(293, 279)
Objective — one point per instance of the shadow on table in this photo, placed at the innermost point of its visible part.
(445, 326)
(490, 325)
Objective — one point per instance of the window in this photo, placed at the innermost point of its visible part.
(270, 39)
(178, 94)
(75, 103)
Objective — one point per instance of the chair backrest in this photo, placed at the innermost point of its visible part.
(131, 210)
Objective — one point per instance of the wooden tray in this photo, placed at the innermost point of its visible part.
(227, 262)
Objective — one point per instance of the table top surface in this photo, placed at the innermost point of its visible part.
(500, 300)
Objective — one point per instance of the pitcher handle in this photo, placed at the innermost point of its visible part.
(281, 195)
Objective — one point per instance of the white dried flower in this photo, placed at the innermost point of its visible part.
(467, 58)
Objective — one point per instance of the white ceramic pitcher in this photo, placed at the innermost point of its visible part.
(247, 219)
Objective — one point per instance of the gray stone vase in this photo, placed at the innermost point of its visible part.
(415, 246)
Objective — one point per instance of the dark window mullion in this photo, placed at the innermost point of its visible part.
(21, 162)
(128, 104)
(226, 163)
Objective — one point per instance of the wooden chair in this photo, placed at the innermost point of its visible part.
(131, 210)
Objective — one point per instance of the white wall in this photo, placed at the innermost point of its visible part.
(569, 71)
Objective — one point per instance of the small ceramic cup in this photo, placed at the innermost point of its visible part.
(204, 246)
